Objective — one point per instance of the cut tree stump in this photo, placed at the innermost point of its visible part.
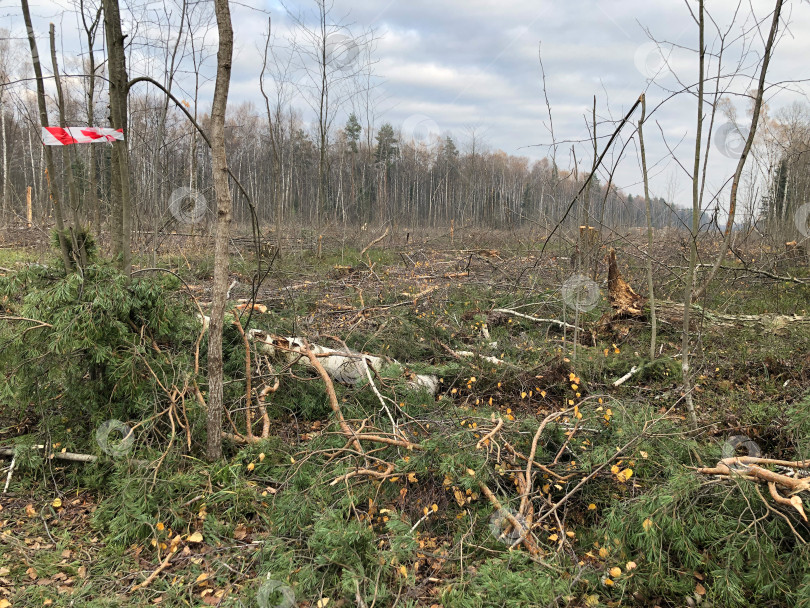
(626, 303)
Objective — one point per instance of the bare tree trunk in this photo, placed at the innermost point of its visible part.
(274, 145)
(76, 236)
(224, 210)
(121, 225)
(735, 183)
(648, 207)
(690, 272)
(43, 117)
(6, 180)
(90, 30)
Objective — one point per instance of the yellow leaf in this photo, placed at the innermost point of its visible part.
(591, 601)
(608, 582)
(5, 604)
(160, 526)
(643, 454)
(614, 469)
(603, 553)
(553, 538)
(570, 534)
(615, 572)
(470, 472)
(591, 507)
(647, 524)
(202, 577)
(195, 538)
(412, 477)
(322, 602)
(261, 457)
(57, 502)
(403, 570)
(435, 507)
(251, 466)
(630, 566)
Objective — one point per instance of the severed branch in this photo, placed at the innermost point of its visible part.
(490, 435)
(330, 392)
(526, 539)
(369, 472)
(375, 241)
(626, 377)
(794, 501)
(524, 500)
(163, 565)
(515, 313)
(752, 471)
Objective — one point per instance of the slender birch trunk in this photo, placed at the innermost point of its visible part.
(48, 153)
(224, 211)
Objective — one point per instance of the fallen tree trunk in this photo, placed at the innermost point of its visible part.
(9, 453)
(344, 366)
(672, 312)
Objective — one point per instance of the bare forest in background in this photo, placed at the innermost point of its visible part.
(331, 160)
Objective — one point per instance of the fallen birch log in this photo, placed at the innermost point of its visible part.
(9, 452)
(672, 312)
(344, 366)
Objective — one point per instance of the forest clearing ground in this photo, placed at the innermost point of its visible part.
(422, 534)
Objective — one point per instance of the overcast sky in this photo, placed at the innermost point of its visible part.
(463, 66)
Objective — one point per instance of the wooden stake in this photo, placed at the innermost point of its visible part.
(28, 205)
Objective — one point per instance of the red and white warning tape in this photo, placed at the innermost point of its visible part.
(57, 136)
